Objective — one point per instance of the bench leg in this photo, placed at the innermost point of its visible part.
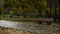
(49, 23)
(39, 22)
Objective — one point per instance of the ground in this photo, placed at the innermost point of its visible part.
(32, 28)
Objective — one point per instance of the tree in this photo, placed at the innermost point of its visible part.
(26, 8)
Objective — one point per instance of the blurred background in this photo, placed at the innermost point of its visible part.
(17, 10)
(29, 9)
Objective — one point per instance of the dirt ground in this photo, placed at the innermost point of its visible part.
(14, 31)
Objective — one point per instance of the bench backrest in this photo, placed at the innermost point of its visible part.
(46, 19)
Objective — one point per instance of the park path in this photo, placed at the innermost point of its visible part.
(31, 26)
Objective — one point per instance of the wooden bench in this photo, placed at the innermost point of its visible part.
(45, 20)
(40, 20)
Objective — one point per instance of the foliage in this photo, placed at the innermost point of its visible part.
(31, 8)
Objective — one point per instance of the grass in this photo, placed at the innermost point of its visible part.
(17, 18)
